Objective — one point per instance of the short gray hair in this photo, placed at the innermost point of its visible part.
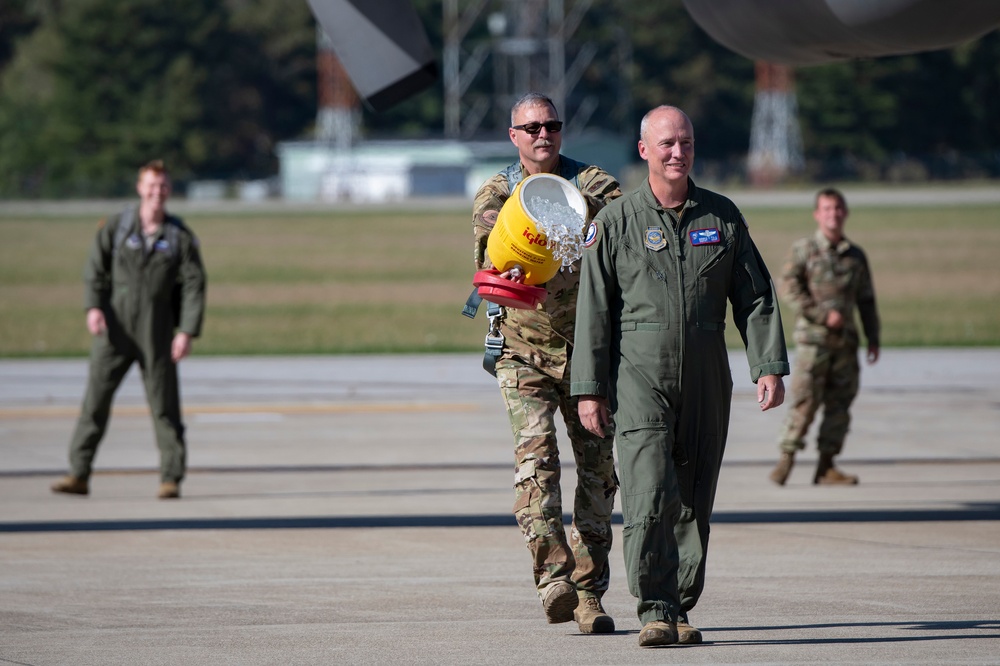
(530, 99)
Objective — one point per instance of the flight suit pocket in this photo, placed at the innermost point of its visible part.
(642, 266)
(714, 260)
(756, 280)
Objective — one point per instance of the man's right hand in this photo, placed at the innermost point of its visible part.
(515, 274)
(834, 320)
(594, 414)
(95, 321)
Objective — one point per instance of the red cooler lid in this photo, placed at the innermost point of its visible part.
(506, 292)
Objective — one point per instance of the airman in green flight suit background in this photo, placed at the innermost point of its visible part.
(145, 300)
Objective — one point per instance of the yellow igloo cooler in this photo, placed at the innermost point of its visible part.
(515, 239)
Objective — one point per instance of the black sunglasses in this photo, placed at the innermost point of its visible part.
(551, 126)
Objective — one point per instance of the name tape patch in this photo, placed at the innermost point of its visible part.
(704, 237)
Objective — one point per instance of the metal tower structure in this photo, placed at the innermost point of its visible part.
(775, 140)
(526, 40)
(338, 116)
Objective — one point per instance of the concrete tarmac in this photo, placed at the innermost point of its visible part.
(356, 510)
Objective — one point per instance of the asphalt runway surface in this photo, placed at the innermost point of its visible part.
(356, 510)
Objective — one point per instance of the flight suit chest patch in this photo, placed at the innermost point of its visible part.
(133, 242)
(705, 237)
(654, 239)
(161, 246)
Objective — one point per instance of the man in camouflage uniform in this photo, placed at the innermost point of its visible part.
(145, 265)
(826, 277)
(533, 372)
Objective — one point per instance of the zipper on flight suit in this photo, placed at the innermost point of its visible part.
(679, 280)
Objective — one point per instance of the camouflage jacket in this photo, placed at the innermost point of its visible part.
(819, 277)
(541, 337)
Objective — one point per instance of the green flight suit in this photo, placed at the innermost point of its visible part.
(137, 285)
(649, 337)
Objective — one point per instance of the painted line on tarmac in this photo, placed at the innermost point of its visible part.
(568, 468)
(278, 469)
(252, 411)
(972, 511)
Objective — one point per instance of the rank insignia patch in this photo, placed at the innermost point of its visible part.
(704, 237)
(654, 239)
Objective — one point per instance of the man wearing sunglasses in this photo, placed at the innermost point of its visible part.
(532, 368)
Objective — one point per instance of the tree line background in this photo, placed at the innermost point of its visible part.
(89, 89)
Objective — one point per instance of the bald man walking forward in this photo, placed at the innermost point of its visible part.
(658, 267)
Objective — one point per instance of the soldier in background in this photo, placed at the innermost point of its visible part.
(145, 265)
(826, 278)
(533, 372)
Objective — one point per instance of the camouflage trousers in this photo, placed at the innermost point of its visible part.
(533, 398)
(821, 376)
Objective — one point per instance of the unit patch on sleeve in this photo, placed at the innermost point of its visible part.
(654, 239)
(591, 236)
(704, 237)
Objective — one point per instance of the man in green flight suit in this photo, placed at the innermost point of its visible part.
(145, 263)
(826, 277)
(532, 368)
(658, 267)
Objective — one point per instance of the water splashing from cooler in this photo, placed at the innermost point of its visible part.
(562, 226)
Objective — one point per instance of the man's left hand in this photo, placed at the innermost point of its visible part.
(594, 414)
(770, 392)
(180, 347)
(872, 354)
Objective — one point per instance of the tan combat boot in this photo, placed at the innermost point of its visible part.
(658, 632)
(169, 490)
(686, 634)
(828, 475)
(591, 617)
(784, 467)
(71, 485)
(559, 599)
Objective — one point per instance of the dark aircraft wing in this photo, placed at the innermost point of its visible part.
(382, 45)
(812, 32)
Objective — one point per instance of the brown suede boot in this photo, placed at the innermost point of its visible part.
(591, 617)
(658, 632)
(828, 475)
(559, 599)
(71, 485)
(169, 490)
(784, 467)
(686, 633)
